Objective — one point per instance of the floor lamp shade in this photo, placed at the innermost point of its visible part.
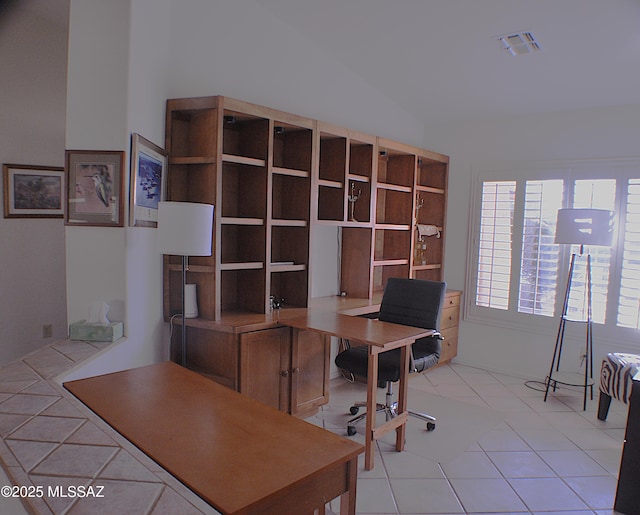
(585, 227)
(184, 228)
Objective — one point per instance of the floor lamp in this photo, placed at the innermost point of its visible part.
(579, 227)
(184, 229)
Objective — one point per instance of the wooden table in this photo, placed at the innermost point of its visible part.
(379, 337)
(239, 455)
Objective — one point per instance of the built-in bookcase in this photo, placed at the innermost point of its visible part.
(272, 176)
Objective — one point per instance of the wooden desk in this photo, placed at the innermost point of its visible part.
(239, 455)
(379, 337)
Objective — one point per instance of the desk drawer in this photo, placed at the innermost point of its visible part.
(450, 317)
(451, 299)
(449, 344)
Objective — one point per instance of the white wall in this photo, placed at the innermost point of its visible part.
(33, 60)
(587, 134)
(116, 76)
(239, 49)
(126, 58)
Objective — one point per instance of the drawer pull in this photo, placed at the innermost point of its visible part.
(284, 373)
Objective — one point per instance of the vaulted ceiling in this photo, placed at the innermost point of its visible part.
(441, 59)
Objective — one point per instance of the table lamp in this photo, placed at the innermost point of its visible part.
(579, 227)
(184, 229)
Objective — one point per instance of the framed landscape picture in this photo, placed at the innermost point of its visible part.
(148, 181)
(95, 188)
(33, 191)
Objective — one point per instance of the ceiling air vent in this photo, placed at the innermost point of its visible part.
(519, 43)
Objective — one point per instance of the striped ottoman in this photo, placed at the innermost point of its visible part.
(616, 379)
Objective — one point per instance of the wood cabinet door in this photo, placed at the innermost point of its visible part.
(309, 372)
(265, 366)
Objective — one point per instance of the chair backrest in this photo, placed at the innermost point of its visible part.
(417, 303)
(413, 302)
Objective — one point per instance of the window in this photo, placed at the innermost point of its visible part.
(494, 259)
(629, 297)
(518, 270)
(540, 255)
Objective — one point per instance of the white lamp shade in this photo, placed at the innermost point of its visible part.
(184, 228)
(585, 227)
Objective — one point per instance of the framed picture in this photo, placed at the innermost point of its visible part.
(33, 191)
(95, 187)
(148, 181)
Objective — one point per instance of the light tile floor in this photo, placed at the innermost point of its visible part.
(545, 458)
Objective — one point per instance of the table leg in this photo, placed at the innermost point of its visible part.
(403, 389)
(372, 384)
(348, 499)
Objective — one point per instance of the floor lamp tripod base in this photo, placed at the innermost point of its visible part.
(556, 377)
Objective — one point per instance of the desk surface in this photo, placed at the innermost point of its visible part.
(365, 330)
(231, 450)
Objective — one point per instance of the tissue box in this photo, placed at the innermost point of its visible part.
(96, 333)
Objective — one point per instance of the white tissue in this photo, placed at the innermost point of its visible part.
(98, 313)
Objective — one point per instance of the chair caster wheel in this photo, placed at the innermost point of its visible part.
(430, 426)
(351, 430)
(354, 410)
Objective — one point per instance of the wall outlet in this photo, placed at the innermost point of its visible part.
(47, 330)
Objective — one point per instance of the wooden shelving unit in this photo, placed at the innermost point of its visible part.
(272, 177)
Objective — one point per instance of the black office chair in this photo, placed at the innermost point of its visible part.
(411, 302)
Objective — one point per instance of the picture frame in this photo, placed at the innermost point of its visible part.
(33, 191)
(148, 183)
(95, 188)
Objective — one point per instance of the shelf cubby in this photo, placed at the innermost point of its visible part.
(355, 277)
(393, 207)
(361, 160)
(201, 276)
(331, 202)
(332, 168)
(391, 244)
(192, 182)
(192, 133)
(292, 147)
(242, 244)
(383, 271)
(290, 196)
(290, 287)
(432, 173)
(245, 135)
(428, 273)
(362, 207)
(432, 211)
(395, 168)
(243, 191)
(333, 158)
(290, 244)
(243, 290)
